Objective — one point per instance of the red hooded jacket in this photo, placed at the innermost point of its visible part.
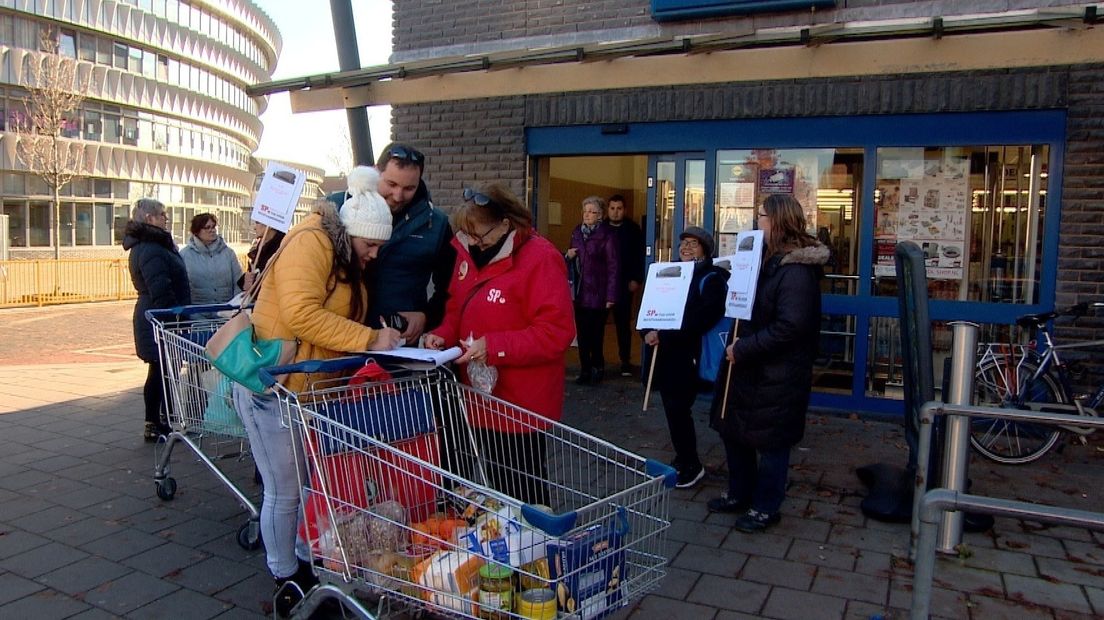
(521, 304)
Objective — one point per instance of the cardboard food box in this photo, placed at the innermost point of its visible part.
(450, 579)
(588, 569)
(504, 537)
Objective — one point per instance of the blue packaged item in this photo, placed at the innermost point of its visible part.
(387, 416)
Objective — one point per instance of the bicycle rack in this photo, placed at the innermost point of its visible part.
(928, 508)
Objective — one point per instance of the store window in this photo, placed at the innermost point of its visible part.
(40, 227)
(827, 183)
(67, 43)
(65, 211)
(82, 228)
(103, 224)
(17, 223)
(977, 213)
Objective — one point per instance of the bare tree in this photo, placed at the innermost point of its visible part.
(55, 97)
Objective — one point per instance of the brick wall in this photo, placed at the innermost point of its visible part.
(473, 141)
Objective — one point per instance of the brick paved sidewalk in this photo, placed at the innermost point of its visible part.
(83, 535)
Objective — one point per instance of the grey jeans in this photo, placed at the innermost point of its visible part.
(271, 443)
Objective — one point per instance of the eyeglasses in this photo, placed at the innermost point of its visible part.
(404, 153)
(689, 243)
(481, 239)
(482, 200)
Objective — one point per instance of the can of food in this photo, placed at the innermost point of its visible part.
(537, 604)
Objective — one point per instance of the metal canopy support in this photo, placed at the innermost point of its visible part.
(348, 56)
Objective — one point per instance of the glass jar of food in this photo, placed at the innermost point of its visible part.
(496, 591)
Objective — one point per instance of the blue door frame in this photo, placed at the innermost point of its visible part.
(675, 141)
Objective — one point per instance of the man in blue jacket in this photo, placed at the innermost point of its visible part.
(411, 273)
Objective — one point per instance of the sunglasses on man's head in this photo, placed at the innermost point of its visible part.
(479, 199)
(404, 153)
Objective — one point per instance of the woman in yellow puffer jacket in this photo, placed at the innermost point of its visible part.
(315, 295)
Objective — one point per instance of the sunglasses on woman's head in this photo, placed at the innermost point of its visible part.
(479, 199)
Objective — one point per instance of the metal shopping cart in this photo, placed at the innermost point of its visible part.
(423, 494)
(200, 404)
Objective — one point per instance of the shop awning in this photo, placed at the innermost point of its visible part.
(1031, 38)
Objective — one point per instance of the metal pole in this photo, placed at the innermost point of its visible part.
(956, 447)
(348, 56)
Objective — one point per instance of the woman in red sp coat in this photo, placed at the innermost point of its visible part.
(510, 308)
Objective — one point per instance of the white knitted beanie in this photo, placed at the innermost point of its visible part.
(365, 213)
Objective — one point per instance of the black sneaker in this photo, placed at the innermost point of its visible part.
(689, 475)
(754, 521)
(583, 378)
(724, 503)
(627, 370)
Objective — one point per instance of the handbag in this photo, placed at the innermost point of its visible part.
(236, 351)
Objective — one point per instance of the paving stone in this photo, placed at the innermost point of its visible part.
(798, 604)
(237, 613)
(1000, 609)
(93, 613)
(24, 479)
(1096, 599)
(944, 603)
(822, 554)
(833, 513)
(182, 604)
(677, 583)
(719, 562)
(851, 586)
(858, 610)
(13, 587)
(123, 544)
(724, 614)
(156, 518)
(14, 541)
(950, 573)
(1085, 552)
(57, 462)
(43, 605)
(801, 528)
(765, 544)
(211, 575)
(83, 575)
(1034, 544)
(1071, 572)
(1006, 561)
(726, 593)
(778, 572)
(129, 592)
(251, 594)
(653, 606)
(698, 533)
(52, 518)
(872, 539)
(42, 559)
(1045, 592)
(877, 564)
(84, 531)
(165, 559)
(197, 531)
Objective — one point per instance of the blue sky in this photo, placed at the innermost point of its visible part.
(320, 138)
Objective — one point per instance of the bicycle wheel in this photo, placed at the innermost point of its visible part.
(1006, 441)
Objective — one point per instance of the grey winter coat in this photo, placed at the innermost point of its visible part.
(773, 373)
(213, 271)
(159, 276)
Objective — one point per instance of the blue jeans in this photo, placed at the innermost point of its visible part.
(758, 475)
(270, 440)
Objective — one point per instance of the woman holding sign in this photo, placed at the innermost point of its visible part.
(677, 351)
(771, 374)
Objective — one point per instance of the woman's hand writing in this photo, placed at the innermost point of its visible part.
(387, 339)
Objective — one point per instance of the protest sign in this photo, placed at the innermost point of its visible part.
(664, 300)
(277, 196)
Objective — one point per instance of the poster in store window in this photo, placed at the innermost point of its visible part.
(929, 207)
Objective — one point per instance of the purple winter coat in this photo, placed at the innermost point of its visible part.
(596, 262)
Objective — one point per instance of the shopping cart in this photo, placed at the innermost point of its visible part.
(200, 404)
(411, 504)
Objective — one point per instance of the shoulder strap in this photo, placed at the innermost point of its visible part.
(251, 295)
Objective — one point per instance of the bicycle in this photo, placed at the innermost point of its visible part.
(1022, 377)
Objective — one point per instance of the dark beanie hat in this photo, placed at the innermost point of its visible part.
(704, 238)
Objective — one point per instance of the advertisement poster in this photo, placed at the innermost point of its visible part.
(277, 196)
(776, 181)
(930, 209)
(664, 299)
(743, 276)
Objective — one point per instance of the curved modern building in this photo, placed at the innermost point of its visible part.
(165, 115)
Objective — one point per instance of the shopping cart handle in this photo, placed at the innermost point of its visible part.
(337, 364)
(187, 310)
(655, 468)
(551, 524)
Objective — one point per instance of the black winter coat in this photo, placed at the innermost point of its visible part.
(159, 276)
(772, 376)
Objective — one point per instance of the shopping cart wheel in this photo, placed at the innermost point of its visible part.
(166, 488)
(249, 535)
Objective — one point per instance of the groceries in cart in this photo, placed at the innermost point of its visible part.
(404, 500)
